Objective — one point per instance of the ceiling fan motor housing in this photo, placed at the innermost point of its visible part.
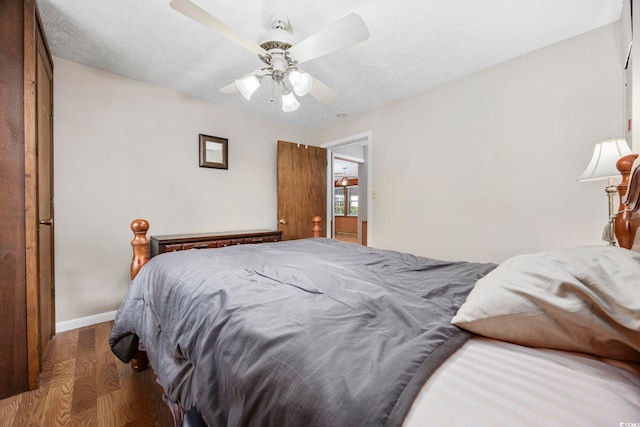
(279, 20)
(278, 37)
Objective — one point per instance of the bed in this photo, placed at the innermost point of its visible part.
(317, 332)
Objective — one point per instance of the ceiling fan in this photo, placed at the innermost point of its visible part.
(282, 55)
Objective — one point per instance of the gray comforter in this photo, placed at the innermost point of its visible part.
(301, 333)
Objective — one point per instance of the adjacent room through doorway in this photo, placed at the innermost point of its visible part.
(345, 198)
(349, 195)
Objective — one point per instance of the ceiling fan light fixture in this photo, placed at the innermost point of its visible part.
(289, 101)
(248, 86)
(301, 82)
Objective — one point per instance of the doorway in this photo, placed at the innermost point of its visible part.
(345, 194)
(349, 190)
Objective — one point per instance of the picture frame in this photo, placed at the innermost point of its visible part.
(214, 152)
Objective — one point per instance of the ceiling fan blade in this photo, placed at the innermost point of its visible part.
(230, 88)
(322, 92)
(233, 88)
(343, 33)
(203, 17)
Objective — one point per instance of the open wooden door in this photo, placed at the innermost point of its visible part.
(302, 189)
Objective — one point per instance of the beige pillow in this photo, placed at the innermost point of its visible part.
(584, 299)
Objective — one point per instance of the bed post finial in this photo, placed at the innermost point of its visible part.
(140, 245)
(316, 226)
(624, 165)
(624, 233)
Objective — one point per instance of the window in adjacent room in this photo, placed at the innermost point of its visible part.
(348, 194)
(352, 194)
(338, 205)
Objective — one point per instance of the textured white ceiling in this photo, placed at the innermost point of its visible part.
(414, 45)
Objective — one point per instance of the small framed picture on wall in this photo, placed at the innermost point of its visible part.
(214, 152)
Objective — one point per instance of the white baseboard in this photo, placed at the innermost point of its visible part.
(85, 321)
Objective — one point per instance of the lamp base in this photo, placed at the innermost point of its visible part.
(608, 234)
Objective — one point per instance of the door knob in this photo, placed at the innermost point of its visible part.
(282, 221)
(48, 221)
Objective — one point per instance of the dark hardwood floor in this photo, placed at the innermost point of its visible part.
(347, 237)
(84, 384)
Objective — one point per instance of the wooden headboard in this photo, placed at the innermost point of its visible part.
(628, 217)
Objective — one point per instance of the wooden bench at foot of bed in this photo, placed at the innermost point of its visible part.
(140, 245)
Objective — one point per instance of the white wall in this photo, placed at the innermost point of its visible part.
(124, 150)
(485, 167)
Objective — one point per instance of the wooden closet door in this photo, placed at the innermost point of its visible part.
(302, 189)
(27, 314)
(44, 100)
(38, 184)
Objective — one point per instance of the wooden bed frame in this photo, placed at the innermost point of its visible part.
(140, 245)
(628, 216)
(626, 222)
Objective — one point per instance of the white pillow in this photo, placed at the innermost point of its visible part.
(584, 299)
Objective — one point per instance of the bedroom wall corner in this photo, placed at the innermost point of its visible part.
(485, 166)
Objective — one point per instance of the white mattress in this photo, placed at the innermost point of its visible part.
(492, 383)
